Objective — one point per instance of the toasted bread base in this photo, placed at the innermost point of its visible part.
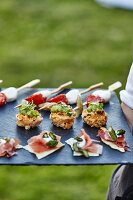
(94, 119)
(113, 146)
(28, 122)
(62, 120)
(43, 154)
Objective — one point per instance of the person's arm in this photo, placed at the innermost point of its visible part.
(126, 97)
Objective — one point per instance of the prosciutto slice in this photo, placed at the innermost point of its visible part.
(38, 144)
(8, 147)
(120, 144)
(93, 98)
(92, 148)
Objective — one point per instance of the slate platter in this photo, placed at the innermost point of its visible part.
(64, 156)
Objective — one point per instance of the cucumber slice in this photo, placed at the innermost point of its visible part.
(112, 133)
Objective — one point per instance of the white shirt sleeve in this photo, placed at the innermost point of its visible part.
(127, 94)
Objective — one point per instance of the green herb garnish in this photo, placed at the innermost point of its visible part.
(79, 139)
(120, 132)
(62, 108)
(28, 109)
(112, 133)
(52, 143)
(52, 135)
(94, 107)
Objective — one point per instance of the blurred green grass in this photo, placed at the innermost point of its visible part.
(57, 41)
(26, 183)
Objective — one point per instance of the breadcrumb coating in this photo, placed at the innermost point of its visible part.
(95, 119)
(61, 119)
(28, 122)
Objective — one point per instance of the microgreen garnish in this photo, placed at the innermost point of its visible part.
(28, 109)
(95, 107)
(62, 108)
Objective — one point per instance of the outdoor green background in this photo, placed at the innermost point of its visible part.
(57, 41)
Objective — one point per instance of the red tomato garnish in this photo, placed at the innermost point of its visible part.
(59, 99)
(36, 99)
(2, 99)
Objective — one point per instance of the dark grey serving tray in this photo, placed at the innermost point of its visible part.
(64, 156)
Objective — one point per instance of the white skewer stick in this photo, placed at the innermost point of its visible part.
(92, 87)
(29, 85)
(61, 87)
(115, 86)
(1, 81)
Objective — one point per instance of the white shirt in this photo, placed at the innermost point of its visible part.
(127, 94)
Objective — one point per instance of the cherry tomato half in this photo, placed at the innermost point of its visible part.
(36, 99)
(58, 99)
(2, 99)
